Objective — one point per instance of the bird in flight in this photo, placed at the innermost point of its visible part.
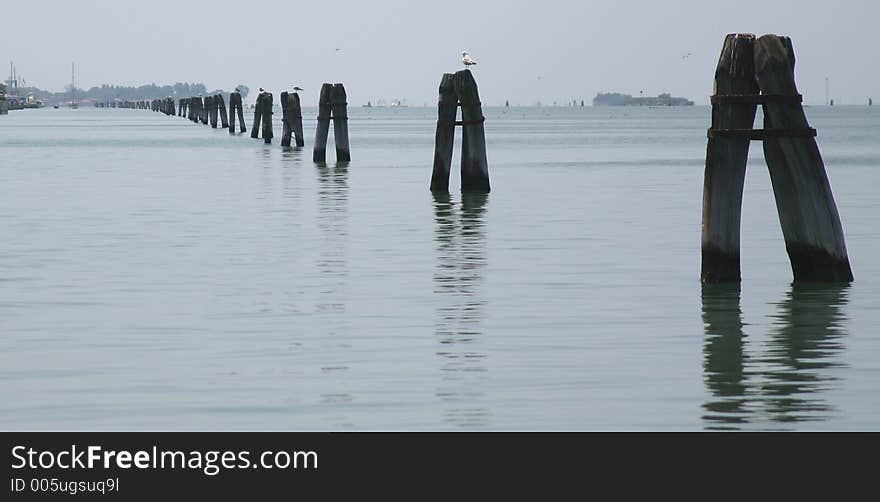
(297, 88)
(467, 59)
(687, 55)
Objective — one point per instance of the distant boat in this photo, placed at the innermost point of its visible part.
(368, 105)
(30, 102)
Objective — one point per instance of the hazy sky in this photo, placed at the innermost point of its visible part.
(527, 51)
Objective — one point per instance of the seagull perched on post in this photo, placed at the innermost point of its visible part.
(467, 60)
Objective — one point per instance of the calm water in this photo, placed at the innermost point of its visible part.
(157, 274)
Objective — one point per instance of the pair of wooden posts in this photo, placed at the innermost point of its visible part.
(332, 105)
(236, 106)
(761, 71)
(215, 105)
(460, 90)
(263, 113)
(196, 108)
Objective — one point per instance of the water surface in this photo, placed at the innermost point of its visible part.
(157, 274)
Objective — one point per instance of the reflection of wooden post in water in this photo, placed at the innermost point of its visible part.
(787, 383)
(724, 359)
(332, 264)
(810, 325)
(460, 239)
(807, 211)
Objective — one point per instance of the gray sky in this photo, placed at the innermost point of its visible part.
(553, 50)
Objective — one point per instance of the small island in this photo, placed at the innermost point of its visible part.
(618, 99)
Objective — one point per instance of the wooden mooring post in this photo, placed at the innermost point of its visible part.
(332, 105)
(208, 102)
(213, 107)
(444, 139)
(291, 114)
(267, 118)
(197, 105)
(319, 152)
(460, 90)
(807, 212)
(258, 112)
(235, 106)
(339, 107)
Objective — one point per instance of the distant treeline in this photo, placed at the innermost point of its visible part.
(108, 92)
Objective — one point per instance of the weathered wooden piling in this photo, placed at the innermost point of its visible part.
(319, 154)
(209, 103)
(221, 106)
(191, 111)
(726, 160)
(474, 163)
(339, 107)
(807, 211)
(266, 117)
(444, 139)
(212, 110)
(291, 114)
(258, 113)
(236, 106)
(197, 105)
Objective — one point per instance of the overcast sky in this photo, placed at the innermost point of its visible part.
(527, 51)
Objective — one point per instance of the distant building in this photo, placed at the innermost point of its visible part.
(618, 99)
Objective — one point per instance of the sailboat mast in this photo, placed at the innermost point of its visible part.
(72, 85)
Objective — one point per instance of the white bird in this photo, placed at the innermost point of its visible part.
(467, 60)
